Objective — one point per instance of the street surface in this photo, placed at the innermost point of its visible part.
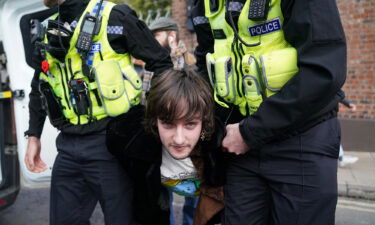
(31, 208)
(355, 212)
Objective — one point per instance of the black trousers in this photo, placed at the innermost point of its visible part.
(293, 182)
(84, 173)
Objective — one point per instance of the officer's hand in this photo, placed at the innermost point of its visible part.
(233, 141)
(32, 158)
(352, 107)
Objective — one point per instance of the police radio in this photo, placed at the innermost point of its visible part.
(87, 32)
(90, 26)
(259, 9)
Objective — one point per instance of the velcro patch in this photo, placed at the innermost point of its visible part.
(265, 28)
(219, 34)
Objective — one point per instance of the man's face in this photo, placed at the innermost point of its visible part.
(52, 3)
(162, 38)
(180, 137)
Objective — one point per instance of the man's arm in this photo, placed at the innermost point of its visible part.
(36, 112)
(315, 30)
(348, 104)
(137, 39)
(36, 122)
(204, 37)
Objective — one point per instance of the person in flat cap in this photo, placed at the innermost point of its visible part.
(165, 31)
(164, 24)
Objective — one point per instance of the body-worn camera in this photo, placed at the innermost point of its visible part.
(79, 96)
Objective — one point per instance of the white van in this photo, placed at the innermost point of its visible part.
(15, 79)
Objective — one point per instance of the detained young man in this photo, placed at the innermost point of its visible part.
(177, 151)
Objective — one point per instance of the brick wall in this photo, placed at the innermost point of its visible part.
(358, 18)
(179, 13)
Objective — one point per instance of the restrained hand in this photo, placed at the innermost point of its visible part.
(233, 141)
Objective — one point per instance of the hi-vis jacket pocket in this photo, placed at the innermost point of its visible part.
(210, 61)
(133, 85)
(278, 67)
(132, 76)
(251, 84)
(223, 78)
(252, 93)
(112, 89)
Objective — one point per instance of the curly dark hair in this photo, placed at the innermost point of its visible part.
(180, 94)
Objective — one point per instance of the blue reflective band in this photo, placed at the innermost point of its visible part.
(74, 24)
(115, 29)
(90, 59)
(265, 28)
(97, 7)
(235, 6)
(200, 20)
(96, 47)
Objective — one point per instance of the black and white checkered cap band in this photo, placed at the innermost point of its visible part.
(115, 29)
(235, 6)
(200, 20)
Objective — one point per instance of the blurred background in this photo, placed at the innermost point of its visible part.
(356, 175)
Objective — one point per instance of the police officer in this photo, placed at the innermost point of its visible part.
(85, 76)
(277, 68)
